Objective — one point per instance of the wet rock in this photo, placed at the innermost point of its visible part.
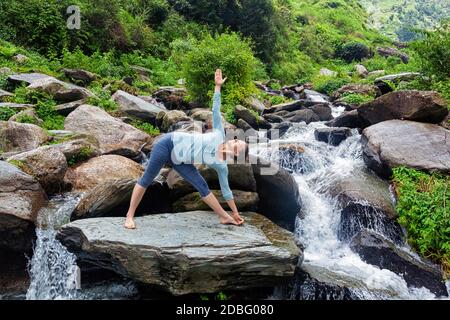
(245, 201)
(113, 135)
(273, 118)
(349, 119)
(375, 249)
(101, 169)
(278, 130)
(315, 96)
(305, 115)
(394, 143)
(19, 137)
(172, 97)
(47, 164)
(323, 111)
(288, 106)
(21, 198)
(421, 106)
(136, 107)
(248, 130)
(279, 198)
(333, 136)
(187, 252)
(293, 158)
(83, 76)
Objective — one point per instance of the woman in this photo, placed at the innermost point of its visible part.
(182, 150)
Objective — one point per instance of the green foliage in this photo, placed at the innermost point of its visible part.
(352, 51)
(328, 85)
(17, 163)
(44, 107)
(146, 127)
(228, 52)
(25, 118)
(101, 98)
(6, 113)
(84, 154)
(423, 209)
(356, 98)
(434, 52)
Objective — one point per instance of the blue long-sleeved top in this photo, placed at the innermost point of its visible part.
(197, 148)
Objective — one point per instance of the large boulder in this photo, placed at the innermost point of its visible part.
(279, 198)
(377, 250)
(113, 135)
(187, 252)
(245, 201)
(240, 177)
(47, 164)
(421, 106)
(172, 97)
(172, 117)
(361, 70)
(394, 143)
(136, 107)
(333, 135)
(26, 78)
(278, 130)
(21, 198)
(59, 90)
(18, 137)
(383, 83)
(349, 119)
(287, 106)
(101, 169)
(315, 96)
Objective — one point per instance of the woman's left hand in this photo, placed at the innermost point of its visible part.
(237, 217)
(218, 78)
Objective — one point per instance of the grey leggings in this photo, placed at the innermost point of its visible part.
(160, 155)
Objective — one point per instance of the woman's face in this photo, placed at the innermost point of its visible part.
(236, 147)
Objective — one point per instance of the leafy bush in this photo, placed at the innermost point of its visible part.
(228, 52)
(356, 98)
(101, 98)
(423, 209)
(353, 51)
(328, 85)
(6, 113)
(25, 118)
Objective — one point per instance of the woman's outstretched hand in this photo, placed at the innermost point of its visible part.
(218, 78)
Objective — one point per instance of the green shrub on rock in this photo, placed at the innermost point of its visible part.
(228, 52)
(423, 201)
(352, 51)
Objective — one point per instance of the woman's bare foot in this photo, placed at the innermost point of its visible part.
(129, 223)
(237, 217)
(228, 220)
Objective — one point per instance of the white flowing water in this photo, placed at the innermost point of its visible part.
(54, 274)
(326, 258)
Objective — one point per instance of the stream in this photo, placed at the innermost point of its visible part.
(54, 273)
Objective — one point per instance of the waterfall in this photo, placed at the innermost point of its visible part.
(327, 259)
(53, 270)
